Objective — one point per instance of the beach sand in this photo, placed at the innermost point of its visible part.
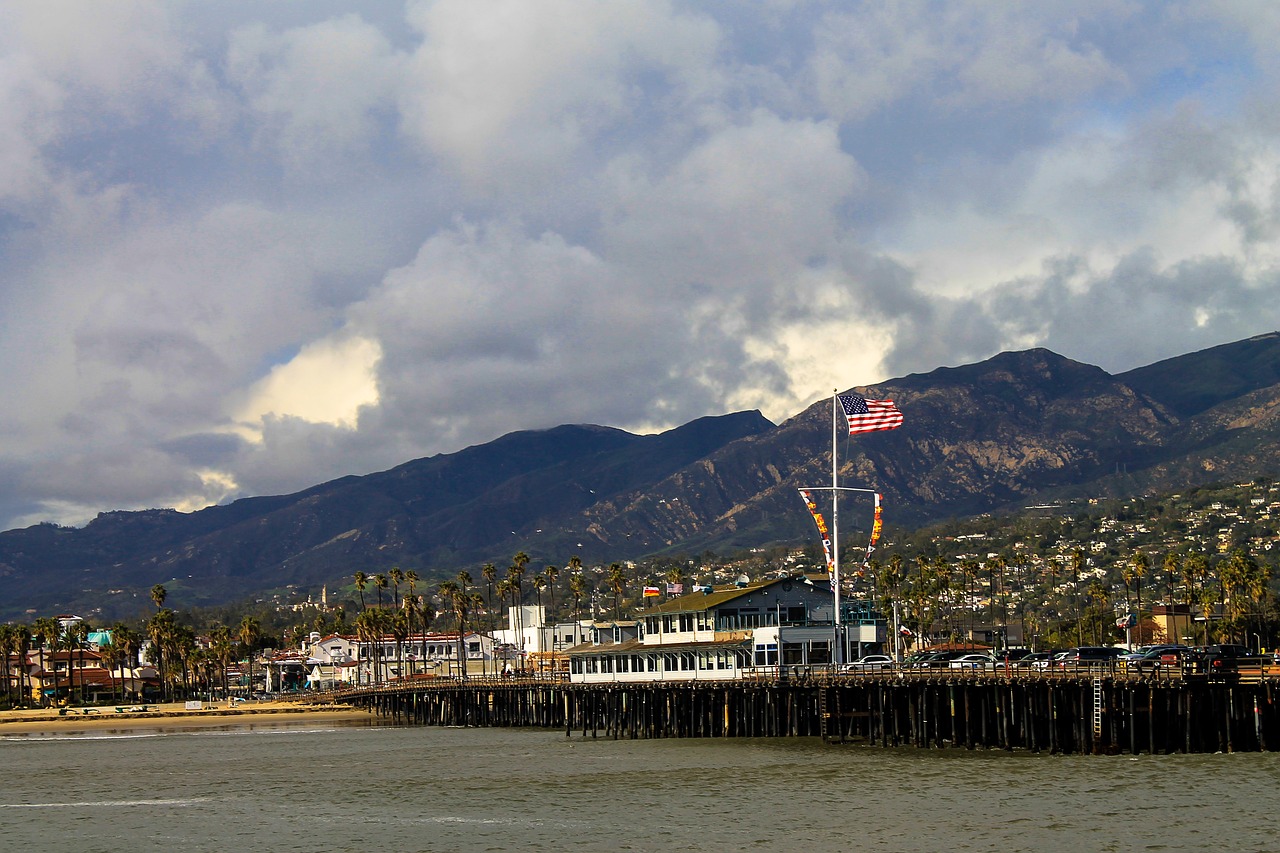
(174, 715)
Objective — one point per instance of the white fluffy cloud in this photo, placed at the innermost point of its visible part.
(248, 247)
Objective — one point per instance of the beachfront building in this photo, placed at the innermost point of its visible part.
(347, 659)
(530, 644)
(715, 633)
(80, 676)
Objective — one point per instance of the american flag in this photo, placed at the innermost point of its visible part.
(675, 589)
(869, 415)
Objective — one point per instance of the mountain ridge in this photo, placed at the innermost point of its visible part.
(977, 438)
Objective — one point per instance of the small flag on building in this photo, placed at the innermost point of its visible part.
(652, 592)
(869, 415)
(675, 589)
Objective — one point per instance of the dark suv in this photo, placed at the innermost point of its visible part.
(1169, 656)
(1223, 657)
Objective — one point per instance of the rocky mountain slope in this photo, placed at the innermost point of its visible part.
(1017, 428)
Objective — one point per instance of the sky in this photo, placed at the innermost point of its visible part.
(249, 247)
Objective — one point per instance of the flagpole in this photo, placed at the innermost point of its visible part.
(835, 523)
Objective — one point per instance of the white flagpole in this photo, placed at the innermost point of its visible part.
(835, 522)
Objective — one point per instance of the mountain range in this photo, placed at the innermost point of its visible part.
(1020, 427)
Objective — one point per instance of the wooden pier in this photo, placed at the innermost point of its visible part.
(1064, 713)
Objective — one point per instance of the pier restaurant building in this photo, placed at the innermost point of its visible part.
(723, 633)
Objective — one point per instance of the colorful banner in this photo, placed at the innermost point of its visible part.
(877, 524)
(822, 527)
(652, 592)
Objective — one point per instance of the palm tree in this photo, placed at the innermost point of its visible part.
(77, 636)
(399, 627)
(1258, 587)
(617, 582)
(539, 584)
(1195, 570)
(490, 574)
(1136, 570)
(380, 583)
(552, 573)
(1208, 599)
(159, 631)
(250, 634)
(577, 589)
(1077, 566)
(8, 647)
(396, 577)
(158, 595)
(220, 645)
(22, 648)
(50, 634)
(969, 578)
(454, 594)
(515, 574)
(361, 580)
(369, 631)
(1171, 568)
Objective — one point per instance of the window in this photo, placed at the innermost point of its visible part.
(819, 651)
(767, 654)
(686, 622)
(792, 654)
(686, 661)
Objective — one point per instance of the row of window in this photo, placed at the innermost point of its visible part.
(793, 654)
(726, 619)
(664, 662)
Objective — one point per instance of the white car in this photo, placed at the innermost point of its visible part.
(973, 661)
(869, 663)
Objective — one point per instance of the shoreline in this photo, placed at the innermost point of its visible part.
(174, 715)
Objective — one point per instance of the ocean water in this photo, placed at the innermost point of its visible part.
(362, 787)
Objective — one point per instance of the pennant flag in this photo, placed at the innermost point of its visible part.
(822, 526)
(869, 415)
(652, 592)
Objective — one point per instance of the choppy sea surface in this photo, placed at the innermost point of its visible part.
(362, 787)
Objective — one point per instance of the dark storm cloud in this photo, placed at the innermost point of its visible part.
(248, 247)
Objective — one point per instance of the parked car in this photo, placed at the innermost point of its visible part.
(869, 663)
(1159, 657)
(1081, 657)
(1036, 660)
(1222, 657)
(933, 660)
(973, 661)
(1048, 660)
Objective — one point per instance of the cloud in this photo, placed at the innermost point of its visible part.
(245, 247)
